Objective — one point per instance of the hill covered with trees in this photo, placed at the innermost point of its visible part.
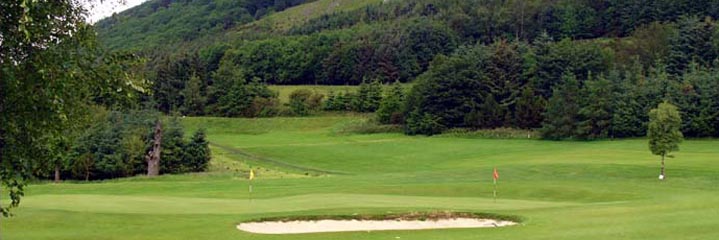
(572, 68)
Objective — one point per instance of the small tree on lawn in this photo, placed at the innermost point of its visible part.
(664, 131)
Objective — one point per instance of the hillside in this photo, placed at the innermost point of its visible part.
(171, 23)
(473, 63)
(162, 22)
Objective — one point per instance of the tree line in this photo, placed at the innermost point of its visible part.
(570, 89)
(114, 144)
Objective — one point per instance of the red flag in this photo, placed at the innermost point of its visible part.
(496, 174)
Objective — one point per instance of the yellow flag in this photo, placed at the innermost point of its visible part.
(252, 174)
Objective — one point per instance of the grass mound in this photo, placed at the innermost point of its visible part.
(409, 216)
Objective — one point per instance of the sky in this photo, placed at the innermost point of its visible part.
(105, 8)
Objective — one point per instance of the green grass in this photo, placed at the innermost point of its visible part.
(560, 190)
(295, 16)
(284, 91)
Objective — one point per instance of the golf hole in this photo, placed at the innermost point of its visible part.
(373, 223)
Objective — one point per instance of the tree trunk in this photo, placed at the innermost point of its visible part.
(662, 174)
(153, 157)
(57, 174)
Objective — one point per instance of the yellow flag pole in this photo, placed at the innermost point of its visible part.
(252, 176)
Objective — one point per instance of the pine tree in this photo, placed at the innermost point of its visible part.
(491, 113)
(626, 119)
(390, 109)
(596, 112)
(693, 43)
(194, 101)
(560, 119)
(329, 104)
(368, 97)
(173, 147)
(529, 109)
(197, 152)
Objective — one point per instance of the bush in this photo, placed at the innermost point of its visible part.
(264, 107)
(304, 101)
(299, 102)
(426, 124)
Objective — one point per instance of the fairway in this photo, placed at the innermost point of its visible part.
(560, 190)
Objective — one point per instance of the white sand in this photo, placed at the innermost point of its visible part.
(294, 227)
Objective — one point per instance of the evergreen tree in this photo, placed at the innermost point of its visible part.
(236, 101)
(697, 98)
(627, 117)
(560, 119)
(597, 110)
(692, 44)
(450, 88)
(427, 124)
(390, 109)
(168, 82)
(173, 148)
(491, 114)
(529, 109)
(197, 152)
(194, 101)
(505, 68)
(223, 80)
(368, 97)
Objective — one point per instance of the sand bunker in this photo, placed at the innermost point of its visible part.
(319, 226)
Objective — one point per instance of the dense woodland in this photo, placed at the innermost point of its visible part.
(572, 69)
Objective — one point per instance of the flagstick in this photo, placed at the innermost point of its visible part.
(495, 190)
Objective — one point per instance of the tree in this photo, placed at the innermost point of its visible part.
(450, 88)
(173, 148)
(299, 102)
(664, 131)
(197, 152)
(426, 124)
(50, 68)
(491, 114)
(596, 112)
(529, 109)
(560, 119)
(194, 104)
(390, 109)
(368, 97)
(155, 153)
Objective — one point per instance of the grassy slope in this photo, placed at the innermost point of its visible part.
(563, 190)
(295, 16)
(284, 91)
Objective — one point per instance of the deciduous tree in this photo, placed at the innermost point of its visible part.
(664, 132)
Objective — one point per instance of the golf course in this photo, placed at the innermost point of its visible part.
(310, 167)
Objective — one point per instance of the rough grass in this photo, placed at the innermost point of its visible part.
(295, 16)
(408, 216)
(284, 91)
(561, 190)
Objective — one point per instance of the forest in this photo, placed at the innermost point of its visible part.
(571, 69)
